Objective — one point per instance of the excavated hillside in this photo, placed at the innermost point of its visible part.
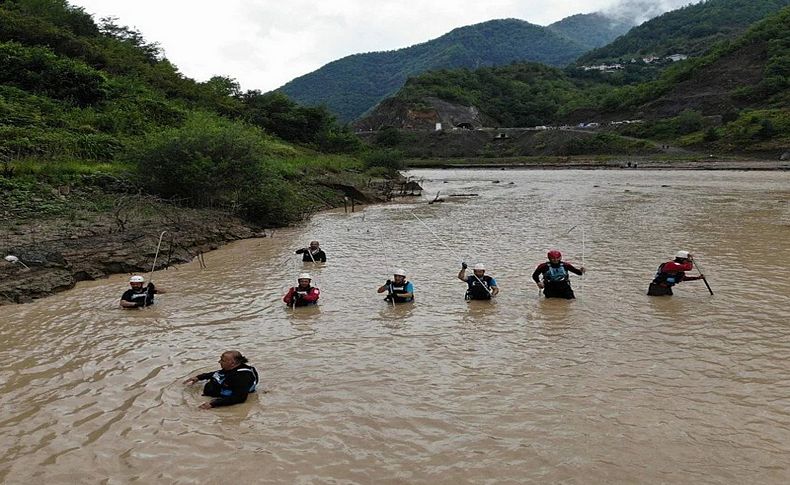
(711, 90)
(396, 113)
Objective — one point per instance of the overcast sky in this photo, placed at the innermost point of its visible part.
(265, 43)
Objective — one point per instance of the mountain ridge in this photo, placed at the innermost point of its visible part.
(352, 85)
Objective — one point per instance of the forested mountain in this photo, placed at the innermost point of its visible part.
(352, 85)
(591, 30)
(81, 97)
(691, 30)
(745, 82)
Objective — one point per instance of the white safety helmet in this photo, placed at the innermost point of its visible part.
(304, 276)
(136, 279)
(682, 254)
(479, 267)
(399, 272)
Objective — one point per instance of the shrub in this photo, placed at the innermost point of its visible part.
(710, 135)
(388, 158)
(211, 161)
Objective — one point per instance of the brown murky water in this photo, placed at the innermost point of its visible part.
(615, 387)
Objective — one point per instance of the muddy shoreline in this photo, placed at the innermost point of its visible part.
(629, 163)
(58, 257)
(87, 244)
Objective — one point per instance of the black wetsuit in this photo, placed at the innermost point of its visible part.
(308, 257)
(479, 288)
(230, 386)
(142, 297)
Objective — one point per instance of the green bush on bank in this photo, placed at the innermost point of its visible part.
(758, 126)
(604, 143)
(388, 158)
(214, 162)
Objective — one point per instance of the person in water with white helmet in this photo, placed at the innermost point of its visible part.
(138, 296)
(480, 285)
(671, 273)
(556, 280)
(303, 294)
(398, 289)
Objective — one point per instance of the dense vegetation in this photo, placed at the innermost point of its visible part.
(515, 95)
(81, 97)
(591, 30)
(690, 30)
(351, 86)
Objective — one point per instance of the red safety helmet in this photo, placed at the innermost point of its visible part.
(554, 254)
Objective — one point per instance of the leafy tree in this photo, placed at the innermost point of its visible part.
(689, 121)
(110, 28)
(39, 70)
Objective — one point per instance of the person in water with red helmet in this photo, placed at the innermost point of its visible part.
(671, 273)
(556, 280)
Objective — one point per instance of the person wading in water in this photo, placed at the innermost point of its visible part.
(313, 254)
(556, 280)
(138, 296)
(480, 286)
(398, 289)
(671, 273)
(229, 385)
(303, 294)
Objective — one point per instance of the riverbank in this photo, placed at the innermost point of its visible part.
(68, 233)
(597, 163)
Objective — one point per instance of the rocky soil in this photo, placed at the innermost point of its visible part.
(91, 233)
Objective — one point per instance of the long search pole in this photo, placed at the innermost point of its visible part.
(581, 293)
(703, 275)
(387, 264)
(450, 250)
(153, 266)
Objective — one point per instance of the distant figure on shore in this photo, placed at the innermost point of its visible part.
(480, 285)
(138, 296)
(313, 254)
(398, 289)
(303, 294)
(671, 273)
(556, 280)
(229, 385)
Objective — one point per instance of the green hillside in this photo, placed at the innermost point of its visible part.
(591, 30)
(84, 98)
(518, 95)
(744, 83)
(691, 30)
(352, 85)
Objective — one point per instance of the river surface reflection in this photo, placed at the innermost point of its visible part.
(614, 387)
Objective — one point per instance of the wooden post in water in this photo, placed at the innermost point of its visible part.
(352, 204)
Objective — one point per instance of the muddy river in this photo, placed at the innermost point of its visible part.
(613, 387)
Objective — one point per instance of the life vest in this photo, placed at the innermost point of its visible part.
(666, 278)
(219, 378)
(555, 274)
(144, 297)
(476, 290)
(300, 301)
(399, 290)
